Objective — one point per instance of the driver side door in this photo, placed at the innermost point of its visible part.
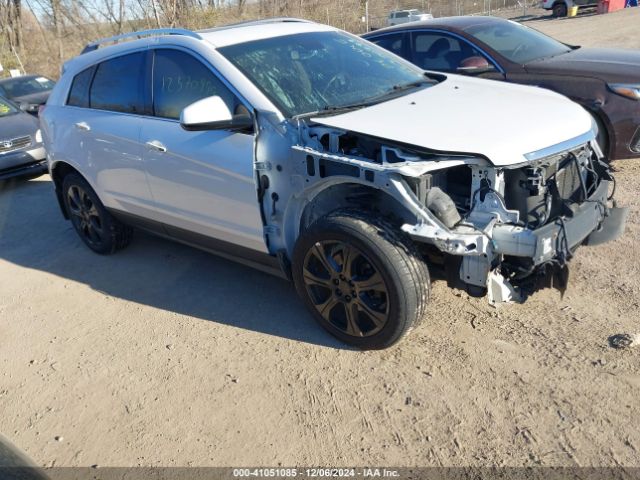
(202, 182)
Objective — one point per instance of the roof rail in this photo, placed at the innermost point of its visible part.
(248, 23)
(90, 47)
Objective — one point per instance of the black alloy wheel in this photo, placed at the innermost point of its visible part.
(346, 288)
(362, 279)
(85, 216)
(97, 228)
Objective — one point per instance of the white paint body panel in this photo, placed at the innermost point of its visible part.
(204, 182)
(515, 120)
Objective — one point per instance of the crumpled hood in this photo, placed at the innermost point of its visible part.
(500, 121)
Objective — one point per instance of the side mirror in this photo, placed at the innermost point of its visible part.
(475, 65)
(212, 113)
(28, 107)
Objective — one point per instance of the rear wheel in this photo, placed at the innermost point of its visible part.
(560, 9)
(96, 227)
(361, 279)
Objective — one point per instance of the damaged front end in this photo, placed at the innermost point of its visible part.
(532, 218)
(502, 230)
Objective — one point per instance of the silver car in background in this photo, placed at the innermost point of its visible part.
(21, 149)
(396, 17)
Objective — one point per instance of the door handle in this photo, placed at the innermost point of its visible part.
(83, 126)
(156, 145)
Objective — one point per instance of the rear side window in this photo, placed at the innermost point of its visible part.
(118, 84)
(179, 80)
(79, 93)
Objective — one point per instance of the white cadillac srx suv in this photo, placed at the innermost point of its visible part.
(303, 150)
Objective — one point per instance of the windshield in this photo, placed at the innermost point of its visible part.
(516, 42)
(26, 86)
(309, 72)
(6, 108)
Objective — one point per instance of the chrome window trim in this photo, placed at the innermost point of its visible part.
(561, 147)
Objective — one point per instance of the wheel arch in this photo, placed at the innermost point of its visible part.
(604, 123)
(59, 170)
(336, 193)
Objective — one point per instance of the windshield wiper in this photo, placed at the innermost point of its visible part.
(397, 89)
(550, 56)
(407, 86)
(331, 109)
(367, 102)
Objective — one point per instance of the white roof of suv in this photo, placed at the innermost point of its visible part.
(249, 31)
(217, 37)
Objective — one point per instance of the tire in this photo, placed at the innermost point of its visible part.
(97, 228)
(560, 9)
(381, 258)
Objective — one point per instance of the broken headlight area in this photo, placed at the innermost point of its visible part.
(527, 220)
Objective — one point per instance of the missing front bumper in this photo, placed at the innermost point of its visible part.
(520, 253)
(592, 222)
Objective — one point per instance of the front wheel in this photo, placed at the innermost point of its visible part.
(361, 278)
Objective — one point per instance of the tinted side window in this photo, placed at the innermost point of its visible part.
(179, 79)
(117, 85)
(437, 51)
(79, 93)
(393, 42)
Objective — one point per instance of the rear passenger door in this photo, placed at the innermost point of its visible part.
(202, 182)
(107, 122)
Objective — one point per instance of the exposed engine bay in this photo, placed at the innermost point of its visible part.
(496, 229)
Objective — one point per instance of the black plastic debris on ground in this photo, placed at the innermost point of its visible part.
(620, 340)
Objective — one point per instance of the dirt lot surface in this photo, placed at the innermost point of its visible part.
(618, 29)
(164, 355)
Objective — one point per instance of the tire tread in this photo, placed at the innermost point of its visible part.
(408, 264)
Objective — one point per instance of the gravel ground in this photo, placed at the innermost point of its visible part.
(164, 355)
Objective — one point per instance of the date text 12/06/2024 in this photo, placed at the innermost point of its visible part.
(315, 472)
